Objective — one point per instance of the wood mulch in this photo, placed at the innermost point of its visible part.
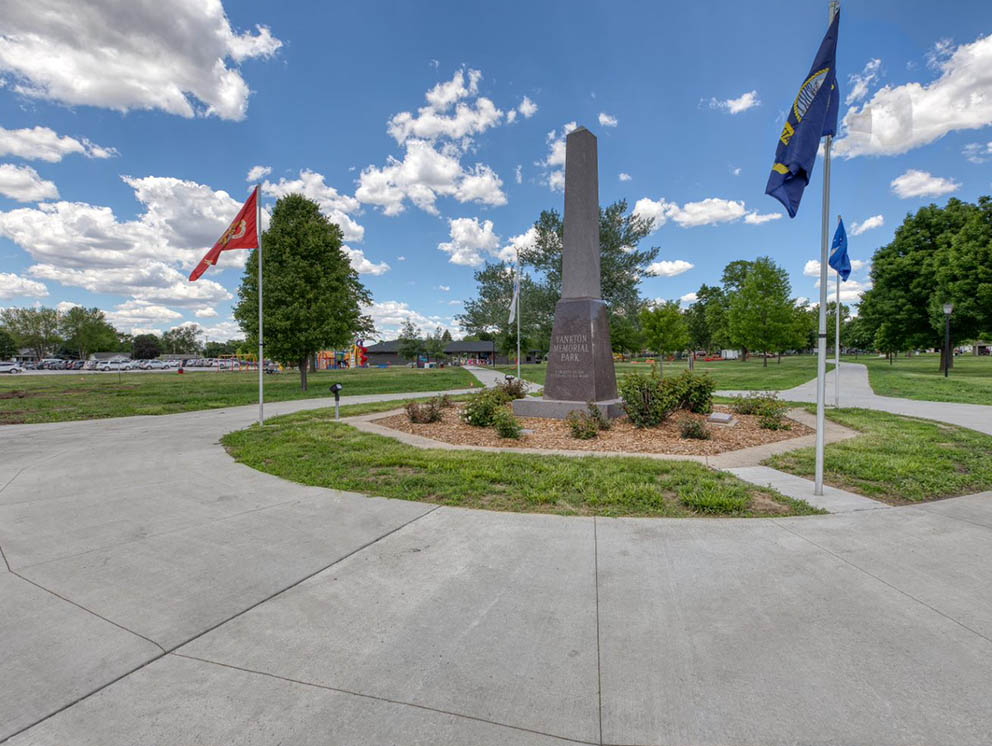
(622, 436)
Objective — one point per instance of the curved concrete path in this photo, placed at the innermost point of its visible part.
(856, 391)
(153, 591)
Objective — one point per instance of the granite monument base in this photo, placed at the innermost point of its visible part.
(557, 409)
(580, 363)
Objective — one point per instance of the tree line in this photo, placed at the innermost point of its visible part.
(76, 333)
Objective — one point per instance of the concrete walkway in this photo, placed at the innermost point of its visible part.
(491, 377)
(855, 391)
(154, 591)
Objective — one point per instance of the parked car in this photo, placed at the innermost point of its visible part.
(10, 367)
(112, 365)
(154, 365)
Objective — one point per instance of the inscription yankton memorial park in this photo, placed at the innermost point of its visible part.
(580, 362)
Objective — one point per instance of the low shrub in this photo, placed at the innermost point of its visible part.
(515, 388)
(480, 410)
(429, 411)
(695, 391)
(444, 401)
(582, 425)
(767, 407)
(693, 429)
(597, 416)
(714, 497)
(505, 424)
(646, 402)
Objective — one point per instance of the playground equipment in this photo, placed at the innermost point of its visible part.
(355, 357)
(358, 356)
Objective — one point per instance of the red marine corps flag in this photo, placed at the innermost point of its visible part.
(241, 234)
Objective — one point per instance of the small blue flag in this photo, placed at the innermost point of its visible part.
(811, 116)
(838, 252)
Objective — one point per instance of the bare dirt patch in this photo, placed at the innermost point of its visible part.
(623, 436)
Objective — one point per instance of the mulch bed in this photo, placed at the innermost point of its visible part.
(623, 436)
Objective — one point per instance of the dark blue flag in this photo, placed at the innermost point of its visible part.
(811, 116)
(838, 252)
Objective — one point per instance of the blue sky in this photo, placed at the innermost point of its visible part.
(126, 139)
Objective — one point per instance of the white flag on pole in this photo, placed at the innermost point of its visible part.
(516, 298)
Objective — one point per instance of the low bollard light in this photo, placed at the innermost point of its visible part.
(336, 390)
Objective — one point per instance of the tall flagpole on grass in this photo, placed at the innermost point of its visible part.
(518, 317)
(261, 343)
(821, 356)
(837, 345)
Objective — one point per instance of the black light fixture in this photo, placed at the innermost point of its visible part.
(948, 310)
(336, 390)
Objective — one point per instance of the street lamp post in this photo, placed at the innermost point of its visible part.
(948, 309)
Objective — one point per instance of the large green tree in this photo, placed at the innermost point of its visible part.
(146, 347)
(938, 255)
(34, 328)
(665, 329)
(312, 297)
(86, 330)
(411, 344)
(489, 312)
(182, 340)
(762, 313)
(8, 345)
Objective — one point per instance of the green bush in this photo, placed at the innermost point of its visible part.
(597, 416)
(582, 425)
(694, 391)
(766, 407)
(693, 429)
(646, 402)
(714, 497)
(481, 408)
(429, 411)
(505, 424)
(514, 388)
(649, 399)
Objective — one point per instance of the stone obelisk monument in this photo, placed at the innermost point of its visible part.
(580, 362)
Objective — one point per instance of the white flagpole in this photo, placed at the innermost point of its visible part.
(837, 348)
(518, 316)
(821, 361)
(261, 344)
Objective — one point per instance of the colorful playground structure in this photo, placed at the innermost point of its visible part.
(355, 357)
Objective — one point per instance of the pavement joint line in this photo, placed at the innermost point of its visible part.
(387, 700)
(883, 581)
(205, 522)
(88, 611)
(599, 659)
(305, 578)
(920, 508)
(161, 655)
(5, 559)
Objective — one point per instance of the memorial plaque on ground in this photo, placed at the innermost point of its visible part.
(580, 361)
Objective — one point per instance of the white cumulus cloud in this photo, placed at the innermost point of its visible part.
(915, 183)
(527, 107)
(337, 207)
(900, 118)
(361, 264)
(256, 173)
(470, 239)
(178, 57)
(736, 105)
(667, 268)
(625, 176)
(606, 120)
(875, 221)
(861, 82)
(12, 286)
(45, 144)
(24, 184)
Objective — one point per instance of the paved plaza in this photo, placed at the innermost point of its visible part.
(154, 591)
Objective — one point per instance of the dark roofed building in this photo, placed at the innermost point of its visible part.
(465, 352)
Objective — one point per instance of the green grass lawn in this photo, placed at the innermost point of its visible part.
(309, 447)
(920, 377)
(56, 398)
(729, 375)
(898, 459)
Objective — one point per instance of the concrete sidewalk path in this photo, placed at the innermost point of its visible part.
(154, 591)
(856, 391)
(490, 377)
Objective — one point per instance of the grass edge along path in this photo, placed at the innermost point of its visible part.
(729, 375)
(899, 460)
(29, 399)
(920, 378)
(311, 448)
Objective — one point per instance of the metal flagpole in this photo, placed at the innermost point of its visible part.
(261, 344)
(518, 317)
(821, 361)
(837, 345)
